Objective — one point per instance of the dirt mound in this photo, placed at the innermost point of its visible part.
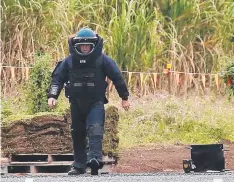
(51, 134)
(40, 134)
(111, 140)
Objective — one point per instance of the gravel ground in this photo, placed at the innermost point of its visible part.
(159, 177)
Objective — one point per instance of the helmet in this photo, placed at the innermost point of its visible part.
(85, 36)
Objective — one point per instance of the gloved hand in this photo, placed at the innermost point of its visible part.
(125, 104)
(52, 102)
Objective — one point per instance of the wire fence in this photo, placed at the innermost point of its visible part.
(141, 83)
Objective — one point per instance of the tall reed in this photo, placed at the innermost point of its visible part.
(141, 35)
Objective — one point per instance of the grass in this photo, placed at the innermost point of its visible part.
(162, 118)
(143, 35)
(170, 120)
(14, 106)
(139, 34)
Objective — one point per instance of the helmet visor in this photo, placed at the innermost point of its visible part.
(84, 48)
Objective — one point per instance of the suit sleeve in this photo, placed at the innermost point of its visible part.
(113, 73)
(59, 77)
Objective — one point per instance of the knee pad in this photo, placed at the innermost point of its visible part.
(95, 130)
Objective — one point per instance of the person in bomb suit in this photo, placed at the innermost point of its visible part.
(84, 74)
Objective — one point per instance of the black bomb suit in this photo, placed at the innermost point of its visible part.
(86, 87)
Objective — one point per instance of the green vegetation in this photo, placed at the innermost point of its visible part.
(229, 80)
(163, 119)
(194, 36)
(11, 119)
(39, 81)
(5, 110)
(17, 109)
(176, 121)
(141, 35)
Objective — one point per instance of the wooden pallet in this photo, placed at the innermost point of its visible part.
(47, 163)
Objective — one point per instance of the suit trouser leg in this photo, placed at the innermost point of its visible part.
(78, 133)
(95, 130)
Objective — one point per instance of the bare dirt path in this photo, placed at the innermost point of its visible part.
(161, 158)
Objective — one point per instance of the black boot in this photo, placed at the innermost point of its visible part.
(76, 171)
(94, 165)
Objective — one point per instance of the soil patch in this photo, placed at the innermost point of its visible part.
(160, 158)
(51, 134)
